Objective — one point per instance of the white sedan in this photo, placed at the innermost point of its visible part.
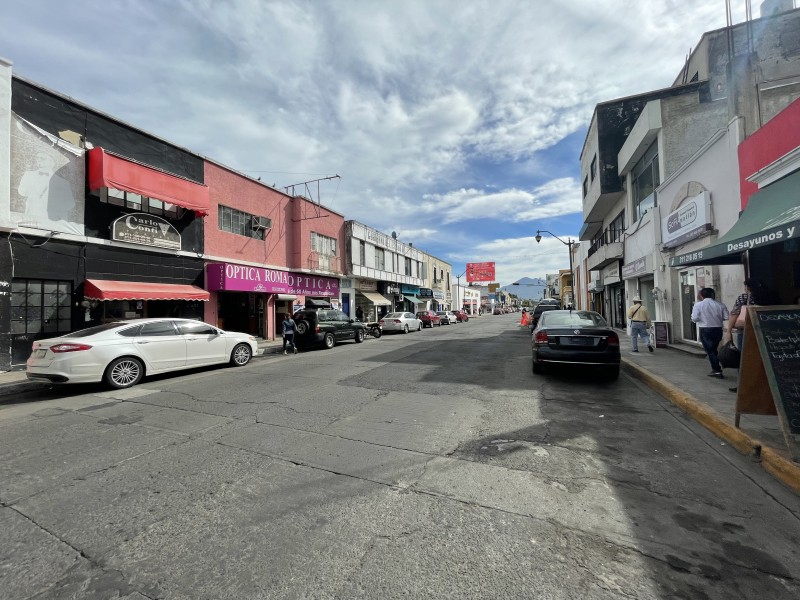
(400, 321)
(123, 352)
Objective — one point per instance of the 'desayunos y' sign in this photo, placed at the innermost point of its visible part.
(242, 278)
(141, 228)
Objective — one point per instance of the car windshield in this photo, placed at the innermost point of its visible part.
(90, 331)
(394, 316)
(573, 319)
(441, 312)
(422, 314)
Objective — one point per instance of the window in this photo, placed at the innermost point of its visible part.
(585, 186)
(242, 223)
(644, 181)
(362, 253)
(198, 328)
(140, 203)
(380, 259)
(323, 244)
(158, 329)
(39, 306)
(593, 168)
(616, 228)
(408, 266)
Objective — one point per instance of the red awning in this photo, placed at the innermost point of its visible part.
(114, 171)
(101, 289)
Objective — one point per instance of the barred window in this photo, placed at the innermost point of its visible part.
(242, 223)
(323, 244)
(39, 306)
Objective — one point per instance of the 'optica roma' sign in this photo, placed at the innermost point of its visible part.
(241, 278)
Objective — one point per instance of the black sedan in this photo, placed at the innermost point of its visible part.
(575, 337)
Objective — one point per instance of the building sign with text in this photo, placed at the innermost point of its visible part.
(148, 230)
(483, 271)
(241, 278)
(690, 221)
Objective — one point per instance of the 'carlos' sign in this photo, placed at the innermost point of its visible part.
(141, 228)
(241, 278)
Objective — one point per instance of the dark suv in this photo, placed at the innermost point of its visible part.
(546, 304)
(326, 327)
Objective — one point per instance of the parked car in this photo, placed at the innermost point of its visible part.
(326, 327)
(429, 318)
(122, 352)
(544, 305)
(400, 322)
(461, 316)
(447, 317)
(575, 337)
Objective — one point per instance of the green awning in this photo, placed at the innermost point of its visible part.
(414, 300)
(772, 216)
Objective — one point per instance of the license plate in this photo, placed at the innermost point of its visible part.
(40, 354)
(581, 341)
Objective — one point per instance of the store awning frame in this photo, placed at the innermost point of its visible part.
(376, 298)
(106, 290)
(772, 216)
(106, 169)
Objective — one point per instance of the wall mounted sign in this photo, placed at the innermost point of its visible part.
(690, 221)
(634, 268)
(147, 230)
(240, 278)
(425, 293)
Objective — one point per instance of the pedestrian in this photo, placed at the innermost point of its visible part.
(525, 320)
(710, 316)
(360, 314)
(640, 325)
(288, 333)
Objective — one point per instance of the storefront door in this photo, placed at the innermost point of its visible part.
(688, 298)
(617, 296)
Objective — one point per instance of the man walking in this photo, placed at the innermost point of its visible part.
(709, 314)
(288, 333)
(640, 324)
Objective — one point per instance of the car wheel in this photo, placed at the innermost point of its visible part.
(301, 327)
(359, 336)
(328, 341)
(241, 355)
(405, 328)
(124, 373)
(419, 327)
(537, 368)
(612, 373)
(377, 332)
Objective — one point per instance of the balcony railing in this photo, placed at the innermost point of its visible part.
(323, 262)
(609, 236)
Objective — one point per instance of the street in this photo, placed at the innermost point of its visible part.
(427, 465)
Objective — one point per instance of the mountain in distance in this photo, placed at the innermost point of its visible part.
(527, 288)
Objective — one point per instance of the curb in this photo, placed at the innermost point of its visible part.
(786, 471)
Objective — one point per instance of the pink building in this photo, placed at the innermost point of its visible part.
(266, 253)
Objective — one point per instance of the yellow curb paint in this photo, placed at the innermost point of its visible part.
(782, 469)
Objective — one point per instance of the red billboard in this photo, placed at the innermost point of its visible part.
(477, 272)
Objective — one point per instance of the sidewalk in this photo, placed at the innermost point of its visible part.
(679, 375)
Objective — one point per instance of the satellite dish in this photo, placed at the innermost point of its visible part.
(394, 235)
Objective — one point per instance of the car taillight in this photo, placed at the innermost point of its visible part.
(540, 337)
(60, 348)
(380, 322)
(396, 321)
(317, 329)
(613, 340)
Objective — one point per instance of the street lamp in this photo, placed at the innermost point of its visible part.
(458, 289)
(568, 243)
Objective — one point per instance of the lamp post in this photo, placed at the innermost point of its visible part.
(568, 243)
(458, 289)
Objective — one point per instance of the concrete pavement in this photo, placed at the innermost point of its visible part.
(678, 373)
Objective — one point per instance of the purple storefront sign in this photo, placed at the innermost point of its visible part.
(239, 278)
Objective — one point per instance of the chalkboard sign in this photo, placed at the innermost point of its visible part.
(771, 355)
(661, 330)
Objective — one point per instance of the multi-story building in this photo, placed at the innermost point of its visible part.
(660, 173)
(438, 277)
(383, 273)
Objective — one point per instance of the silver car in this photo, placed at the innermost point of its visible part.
(447, 317)
(123, 352)
(400, 322)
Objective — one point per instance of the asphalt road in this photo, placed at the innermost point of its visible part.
(427, 465)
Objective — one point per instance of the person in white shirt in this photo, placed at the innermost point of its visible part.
(710, 315)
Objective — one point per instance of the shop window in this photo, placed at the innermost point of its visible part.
(242, 223)
(139, 203)
(39, 306)
(380, 259)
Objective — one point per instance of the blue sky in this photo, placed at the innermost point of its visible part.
(457, 124)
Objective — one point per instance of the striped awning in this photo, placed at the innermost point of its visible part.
(103, 289)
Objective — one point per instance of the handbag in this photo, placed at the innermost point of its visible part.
(729, 356)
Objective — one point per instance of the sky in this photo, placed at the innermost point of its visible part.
(456, 124)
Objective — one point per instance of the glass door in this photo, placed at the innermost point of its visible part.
(688, 295)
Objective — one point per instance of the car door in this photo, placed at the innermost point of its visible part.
(161, 345)
(344, 328)
(204, 344)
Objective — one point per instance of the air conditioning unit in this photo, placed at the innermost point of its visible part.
(261, 223)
